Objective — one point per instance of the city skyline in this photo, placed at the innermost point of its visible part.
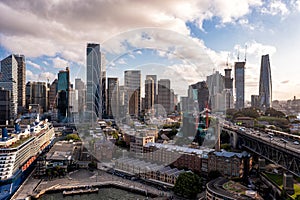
(220, 29)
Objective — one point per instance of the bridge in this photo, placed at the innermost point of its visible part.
(278, 149)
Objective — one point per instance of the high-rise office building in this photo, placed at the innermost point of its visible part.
(113, 98)
(198, 96)
(21, 81)
(164, 96)
(132, 84)
(63, 88)
(239, 74)
(149, 93)
(216, 85)
(9, 81)
(228, 79)
(53, 95)
(80, 94)
(154, 78)
(122, 107)
(38, 92)
(229, 104)
(265, 83)
(93, 82)
(103, 87)
(203, 95)
(5, 101)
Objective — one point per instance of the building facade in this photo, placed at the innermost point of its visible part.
(21, 82)
(164, 96)
(132, 86)
(149, 93)
(230, 164)
(93, 82)
(239, 73)
(37, 93)
(113, 98)
(265, 83)
(5, 101)
(9, 81)
(63, 91)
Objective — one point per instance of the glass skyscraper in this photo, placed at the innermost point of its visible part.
(265, 83)
(9, 81)
(239, 73)
(63, 88)
(93, 82)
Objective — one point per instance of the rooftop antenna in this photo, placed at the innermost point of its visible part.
(227, 61)
(245, 52)
(238, 54)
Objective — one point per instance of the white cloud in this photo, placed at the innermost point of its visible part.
(60, 63)
(276, 7)
(122, 61)
(63, 27)
(46, 63)
(44, 76)
(36, 66)
(256, 49)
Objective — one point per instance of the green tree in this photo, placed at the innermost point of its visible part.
(74, 137)
(188, 185)
(274, 113)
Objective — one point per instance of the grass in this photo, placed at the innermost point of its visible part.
(278, 180)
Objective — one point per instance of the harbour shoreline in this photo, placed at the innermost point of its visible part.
(107, 184)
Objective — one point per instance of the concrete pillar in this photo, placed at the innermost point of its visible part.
(288, 183)
(261, 164)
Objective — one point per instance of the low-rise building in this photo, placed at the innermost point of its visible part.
(230, 164)
(178, 156)
(147, 170)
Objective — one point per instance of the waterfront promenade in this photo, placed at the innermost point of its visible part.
(82, 178)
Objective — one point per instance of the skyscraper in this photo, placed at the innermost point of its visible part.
(93, 82)
(164, 96)
(113, 97)
(132, 86)
(154, 77)
(149, 93)
(81, 93)
(9, 81)
(5, 101)
(265, 83)
(38, 94)
(239, 74)
(228, 79)
(53, 95)
(216, 85)
(21, 81)
(228, 89)
(103, 87)
(63, 88)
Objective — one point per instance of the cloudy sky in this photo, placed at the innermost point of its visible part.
(182, 40)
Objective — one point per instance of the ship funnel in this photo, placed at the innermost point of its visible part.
(37, 118)
(4, 134)
(17, 128)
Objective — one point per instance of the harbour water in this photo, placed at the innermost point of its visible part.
(103, 193)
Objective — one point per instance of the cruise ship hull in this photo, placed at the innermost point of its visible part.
(9, 186)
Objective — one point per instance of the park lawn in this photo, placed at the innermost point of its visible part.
(278, 179)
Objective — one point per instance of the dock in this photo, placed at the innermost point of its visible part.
(81, 191)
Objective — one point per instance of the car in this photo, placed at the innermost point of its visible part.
(296, 142)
